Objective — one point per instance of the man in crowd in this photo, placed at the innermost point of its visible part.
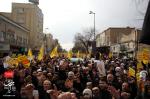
(59, 78)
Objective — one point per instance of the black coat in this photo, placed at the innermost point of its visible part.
(43, 94)
(104, 94)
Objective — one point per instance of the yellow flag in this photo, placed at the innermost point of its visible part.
(24, 60)
(131, 72)
(138, 76)
(12, 61)
(54, 52)
(139, 65)
(13, 56)
(78, 54)
(30, 55)
(21, 57)
(145, 56)
(100, 55)
(110, 55)
(41, 53)
(145, 61)
(70, 54)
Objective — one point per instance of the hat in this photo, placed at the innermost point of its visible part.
(122, 64)
(70, 64)
(87, 92)
(117, 69)
(95, 88)
(39, 70)
(112, 61)
(29, 86)
(88, 83)
(117, 62)
(78, 65)
(71, 73)
(44, 71)
(61, 62)
(124, 71)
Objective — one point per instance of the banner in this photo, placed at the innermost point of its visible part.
(12, 62)
(41, 53)
(131, 72)
(139, 65)
(24, 60)
(110, 55)
(146, 56)
(30, 55)
(70, 54)
(54, 52)
(143, 56)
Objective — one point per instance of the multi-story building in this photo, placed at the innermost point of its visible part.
(13, 37)
(30, 16)
(49, 42)
(101, 43)
(100, 40)
(120, 41)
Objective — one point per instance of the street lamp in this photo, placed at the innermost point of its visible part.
(94, 41)
(91, 12)
(45, 40)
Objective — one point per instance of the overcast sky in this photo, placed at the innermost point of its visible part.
(64, 18)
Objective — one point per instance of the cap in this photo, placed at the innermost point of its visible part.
(88, 83)
(39, 70)
(71, 73)
(87, 92)
(117, 69)
(95, 88)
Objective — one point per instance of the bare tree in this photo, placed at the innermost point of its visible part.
(78, 47)
(84, 38)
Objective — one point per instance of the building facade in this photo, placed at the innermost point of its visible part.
(13, 37)
(49, 42)
(100, 40)
(30, 16)
(120, 41)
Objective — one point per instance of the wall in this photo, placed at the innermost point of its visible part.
(12, 34)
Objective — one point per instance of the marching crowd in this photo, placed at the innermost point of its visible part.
(91, 78)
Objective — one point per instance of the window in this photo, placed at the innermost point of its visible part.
(4, 35)
(21, 20)
(19, 40)
(12, 39)
(20, 10)
(114, 48)
(7, 36)
(1, 36)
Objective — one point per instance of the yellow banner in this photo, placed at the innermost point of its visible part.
(24, 60)
(131, 72)
(146, 54)
(12, 62)
(54, 52)
(41, 53)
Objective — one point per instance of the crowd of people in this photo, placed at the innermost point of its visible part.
(91, 78)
